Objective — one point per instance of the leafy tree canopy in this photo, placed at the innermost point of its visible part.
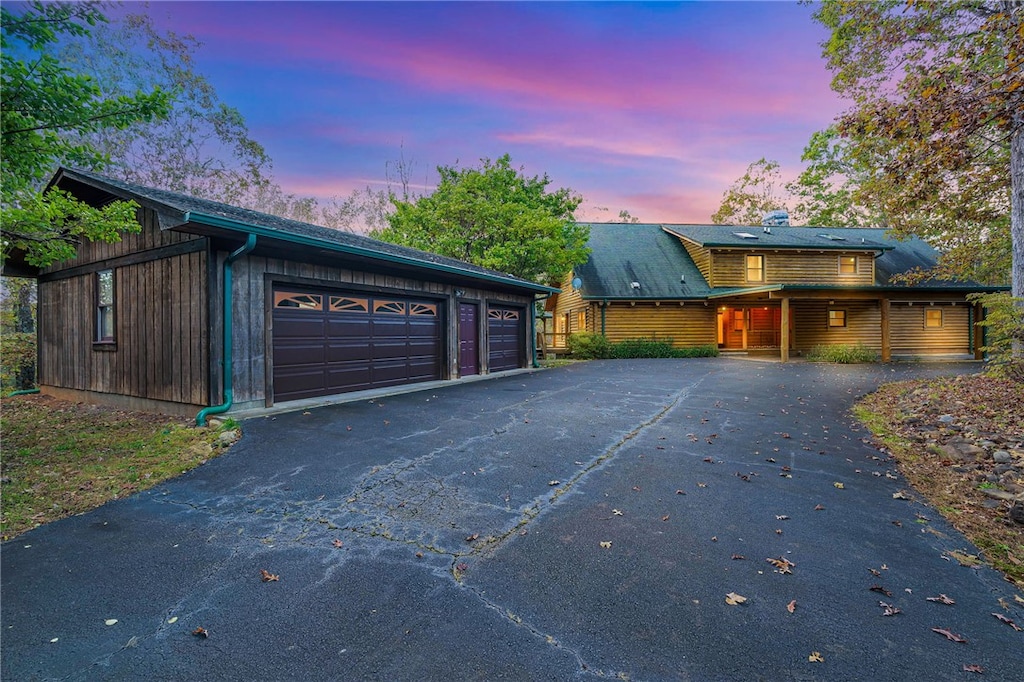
(937, 117)
(758, 191)
(42, 102)
(495, 217)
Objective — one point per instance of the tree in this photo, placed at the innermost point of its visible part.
(42, 102)
(937, 93)
(202, 147)
(827, 190)
(758, 191)
(495, 217)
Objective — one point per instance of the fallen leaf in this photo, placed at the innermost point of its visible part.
(816, 657)
(791, 606)
(702, 485)
(110, 621)
(778, 531)
(950, 636)
(900, 495)
(636, 488)
(553, 482)
(782, 564)
(897, 523)
(1009, 622)
(732, 599)
(1018, 598)
(839, 485)
(973, 668)
(338, 544)
(606, 544)
(738, 557)
(714, 538)
(172, 621)
(461, 568)
(665, 517)
(875, 572)
(472, 537)
(965, 559)
(942, 599)
(708, 459)
(54, 640)
(680, 492)
(268, 577)
(880, 590)
(419, 555)
(819, 507)
(890, 609)
(616, 512)
(201, 632)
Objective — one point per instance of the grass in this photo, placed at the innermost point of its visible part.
(61, 459)
(986, 405)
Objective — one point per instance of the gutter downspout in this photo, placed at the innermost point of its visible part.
(604, 308)
(250, 244)
(533, 327)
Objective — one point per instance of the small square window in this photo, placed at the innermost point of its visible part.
(836, 318)
(755, 268)
(932, 317)
(847, 265)
(105, 306)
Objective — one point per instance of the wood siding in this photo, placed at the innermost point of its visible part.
(910, 336)
(160, 324)
(688, 325)
(810, 324)
(151, 237)
(701, 258)
(728, 268)
(253, 328)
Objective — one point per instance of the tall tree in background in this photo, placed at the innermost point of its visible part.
(43, 102)
(755, 193)
(495, 217)
(938, 95)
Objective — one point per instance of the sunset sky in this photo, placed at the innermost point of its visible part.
(654, 108)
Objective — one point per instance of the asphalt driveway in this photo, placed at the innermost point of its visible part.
(583, 522)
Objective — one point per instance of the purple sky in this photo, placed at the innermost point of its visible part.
(654, 108)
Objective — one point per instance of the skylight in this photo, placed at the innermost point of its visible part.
(745, 235)
(832, 237)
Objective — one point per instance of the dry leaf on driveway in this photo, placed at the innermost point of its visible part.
(1008, 621)
(791, 606)
(732, 599)
(816, 657)
(950, 636)
(268, 577)
(942, 599)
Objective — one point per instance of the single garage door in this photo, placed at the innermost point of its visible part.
(328, 342)
(506, 337)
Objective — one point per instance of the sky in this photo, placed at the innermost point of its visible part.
(652, 108)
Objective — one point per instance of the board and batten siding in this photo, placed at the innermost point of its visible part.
(254, 277)
(160, 326)
(909, 336)
(687, 325)
(728, 268)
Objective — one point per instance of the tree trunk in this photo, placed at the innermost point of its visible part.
(1017, 223)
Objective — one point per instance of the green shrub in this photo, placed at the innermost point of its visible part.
(643, 348)
(842, 353)
(709, 351)
(588, 346)
(17, 360)
(1004, 329)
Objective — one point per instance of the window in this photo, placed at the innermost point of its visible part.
(581, 320)
(755, 268)
(932, 318)
(105, 306)
(847, 265)
(836, 318)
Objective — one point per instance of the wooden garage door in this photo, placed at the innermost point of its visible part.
(506, 348)
(328, 342)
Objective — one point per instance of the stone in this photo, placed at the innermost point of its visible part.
(1001, 457)
(1002, 469)
(946, 418)
(228, 437)
(1017, 512)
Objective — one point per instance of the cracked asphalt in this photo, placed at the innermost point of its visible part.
(577, 523)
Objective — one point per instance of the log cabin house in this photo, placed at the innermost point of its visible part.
(212, 308)
(777, 289)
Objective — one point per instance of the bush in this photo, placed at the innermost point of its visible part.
(17, 360)
(842, 353)
(1004, 328)
(588, 346)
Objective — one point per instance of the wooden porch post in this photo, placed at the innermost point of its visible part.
(979, 331)
(784, 324)
(886, 346)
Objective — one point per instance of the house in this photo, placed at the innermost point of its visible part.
(212, 307)
(772, 287)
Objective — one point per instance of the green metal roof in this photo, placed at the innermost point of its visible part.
(176, 210)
